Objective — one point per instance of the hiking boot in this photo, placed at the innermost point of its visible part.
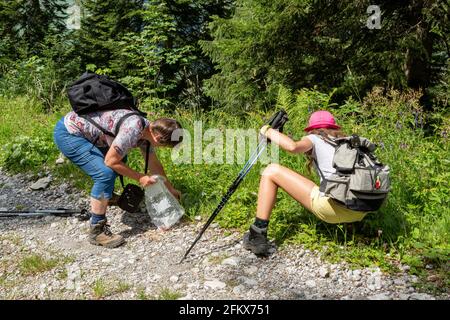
(101, 235)
(256, 241)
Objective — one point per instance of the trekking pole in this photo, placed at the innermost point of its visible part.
(82, 214)
(276, 122)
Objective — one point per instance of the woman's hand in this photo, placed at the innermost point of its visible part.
(145, 181)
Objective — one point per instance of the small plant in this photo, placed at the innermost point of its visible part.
(141, 295)
(33, 264)
(167, 294)
(20, 207)
(62, 275)
(99, 289)
(27, 153)
(122, 287)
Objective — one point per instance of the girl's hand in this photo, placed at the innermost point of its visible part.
(264, 129)
(145, 181)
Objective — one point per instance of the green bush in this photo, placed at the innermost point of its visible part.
(27, 153)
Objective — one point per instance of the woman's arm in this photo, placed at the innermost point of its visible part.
(156, 167)
(113, 159)
(287, 143)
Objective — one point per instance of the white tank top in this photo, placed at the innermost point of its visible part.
(324, 153)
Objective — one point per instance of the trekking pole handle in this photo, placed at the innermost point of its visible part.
(278, 120)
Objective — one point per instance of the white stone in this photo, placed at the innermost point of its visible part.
(310, 283)
(380, 296)
(324, 272)
(215, 284)
(173, 279)
(378, 283)
(251, 270)
(421, 296)
(232, 261)
(238, 289)
(193, 285)
(41, 183)
(250, 282)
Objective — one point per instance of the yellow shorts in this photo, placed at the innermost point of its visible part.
(330, 211)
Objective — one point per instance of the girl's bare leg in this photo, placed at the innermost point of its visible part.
(294, 184)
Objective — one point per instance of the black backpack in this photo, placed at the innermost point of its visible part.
(93, 92)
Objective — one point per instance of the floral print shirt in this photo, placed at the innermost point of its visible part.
(128, 137)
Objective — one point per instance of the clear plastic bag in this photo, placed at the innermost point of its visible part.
(162, 207)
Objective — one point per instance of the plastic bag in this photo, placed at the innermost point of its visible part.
(162, 207)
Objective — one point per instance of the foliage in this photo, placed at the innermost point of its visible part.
(26, 23)
(26, 139)
(143, 58)
(25, 153)
(151, 47)
(324, 44)
(103, 23)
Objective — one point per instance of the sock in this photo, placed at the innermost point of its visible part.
(260, 223)
(96, 218)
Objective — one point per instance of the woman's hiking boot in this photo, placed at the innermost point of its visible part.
(101, 235)
(256, 241)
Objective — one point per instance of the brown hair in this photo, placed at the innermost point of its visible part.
(324, 132)
(165, 127)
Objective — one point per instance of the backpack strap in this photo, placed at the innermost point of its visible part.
(328, 140)
(95, 124)
(120, 122)
(318, 169)
(147, 152)
(116, 132)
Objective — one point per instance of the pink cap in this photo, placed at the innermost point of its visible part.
(321, 119)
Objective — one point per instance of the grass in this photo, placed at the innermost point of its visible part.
(35, 263)
(141, 295)
(62, 275)
(167, 294)
(12, 238)
(164, 294)
(99, 289)
(412, 228)
(102, 288)
(217, 259)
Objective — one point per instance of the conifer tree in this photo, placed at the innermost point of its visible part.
(105, 22)
(323, 44)
(26, 23)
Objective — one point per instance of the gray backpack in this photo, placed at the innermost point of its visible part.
(361, 182)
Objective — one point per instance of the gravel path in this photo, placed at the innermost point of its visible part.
(50, 258)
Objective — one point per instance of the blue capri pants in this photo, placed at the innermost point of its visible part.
(89, 158)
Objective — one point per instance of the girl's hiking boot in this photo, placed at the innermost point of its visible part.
(101, 235)
(256, 241)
